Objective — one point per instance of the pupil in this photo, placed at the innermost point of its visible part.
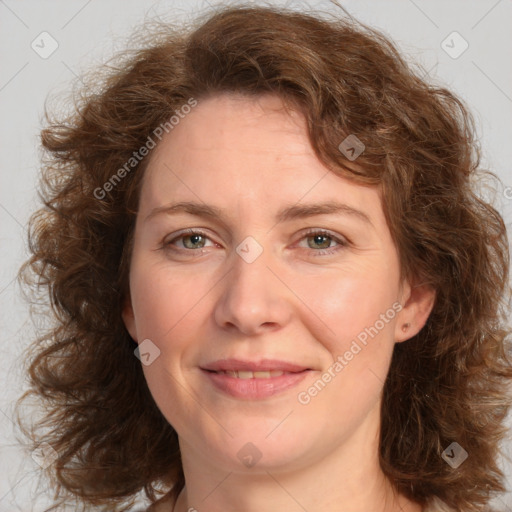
(321, 240)
(193, 240)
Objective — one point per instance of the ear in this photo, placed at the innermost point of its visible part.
(129, 317)
(418, 302)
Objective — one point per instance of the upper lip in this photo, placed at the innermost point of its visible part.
(254, 366)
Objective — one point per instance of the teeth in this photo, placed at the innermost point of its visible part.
(261, 375)
(244, 374)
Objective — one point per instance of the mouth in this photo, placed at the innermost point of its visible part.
(252, 380)
(263, 365)
(246, 374)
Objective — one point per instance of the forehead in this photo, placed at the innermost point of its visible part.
(234, 124)
(251, 152)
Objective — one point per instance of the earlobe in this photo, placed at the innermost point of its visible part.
(129, 317)
(416, 310)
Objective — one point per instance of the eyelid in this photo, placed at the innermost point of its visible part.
(339, 239)
(184, 232)
(322, 231)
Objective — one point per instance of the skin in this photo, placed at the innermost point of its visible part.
(251, 158)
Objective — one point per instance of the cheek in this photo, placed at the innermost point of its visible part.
(346, 306)
(162, 299)
(166, 307)
(356, 330)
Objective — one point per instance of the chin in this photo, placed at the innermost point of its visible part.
(262, 444)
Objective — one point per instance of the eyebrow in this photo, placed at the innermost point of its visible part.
(296, 211)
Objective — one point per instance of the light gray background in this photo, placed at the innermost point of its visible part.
(88, 32)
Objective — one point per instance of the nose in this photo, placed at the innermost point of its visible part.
(253, 298)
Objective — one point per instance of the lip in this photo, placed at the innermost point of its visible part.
(253, 366)
(254, 388)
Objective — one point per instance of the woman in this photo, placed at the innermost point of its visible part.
(275, 285)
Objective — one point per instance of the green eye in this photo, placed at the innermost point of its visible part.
(190, 240)
(323, 241)
(194, 240)
(319, 242)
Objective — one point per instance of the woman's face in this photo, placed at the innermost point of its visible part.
(251, 256)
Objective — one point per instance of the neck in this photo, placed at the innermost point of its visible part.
(347, 479)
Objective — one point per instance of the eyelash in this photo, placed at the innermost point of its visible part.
(342, 243)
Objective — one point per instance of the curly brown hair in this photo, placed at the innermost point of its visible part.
(448, 383)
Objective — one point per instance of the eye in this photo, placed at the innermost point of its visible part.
(190, 240)
(319, 241)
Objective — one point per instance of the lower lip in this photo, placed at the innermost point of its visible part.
(254, 389)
